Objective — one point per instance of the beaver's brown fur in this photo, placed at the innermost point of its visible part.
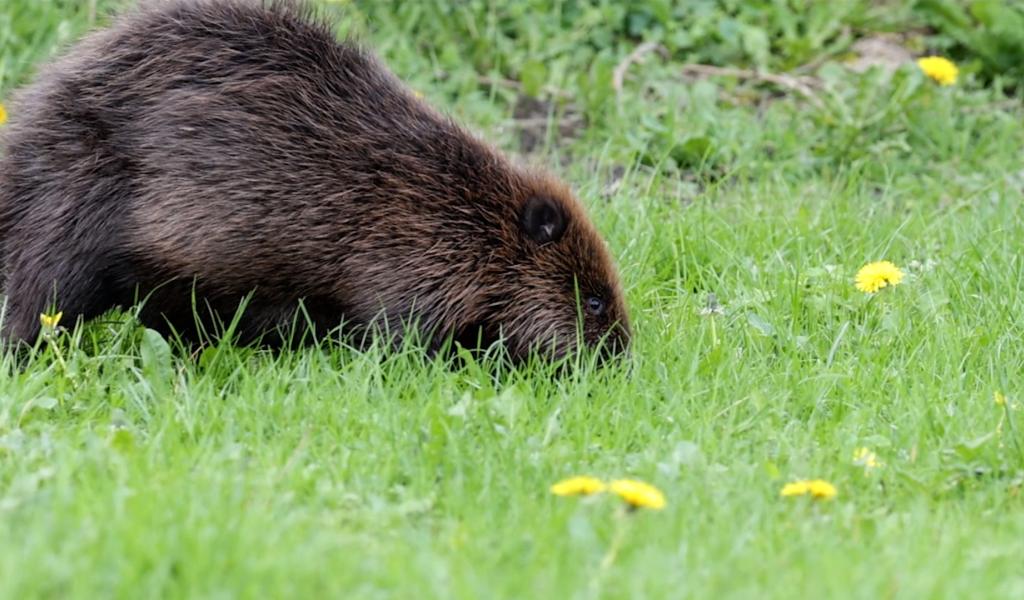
(200, 151)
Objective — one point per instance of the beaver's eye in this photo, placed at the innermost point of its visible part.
(594, 306)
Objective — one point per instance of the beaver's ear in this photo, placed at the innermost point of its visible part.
(543, 220)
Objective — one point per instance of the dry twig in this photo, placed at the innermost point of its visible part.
(517, 86)
(619, 74)
(801, 85)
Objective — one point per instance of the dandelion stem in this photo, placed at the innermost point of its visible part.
(621, 525)
(613, 548)
(53, 345)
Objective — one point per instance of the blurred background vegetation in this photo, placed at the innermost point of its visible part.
(555, 42)
(545, 75)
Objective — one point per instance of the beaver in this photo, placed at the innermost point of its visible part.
(197, 155)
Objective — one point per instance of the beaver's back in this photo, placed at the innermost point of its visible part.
(207, 133)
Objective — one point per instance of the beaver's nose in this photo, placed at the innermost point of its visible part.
(615, 345)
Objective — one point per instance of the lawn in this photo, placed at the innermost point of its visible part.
(739, 206)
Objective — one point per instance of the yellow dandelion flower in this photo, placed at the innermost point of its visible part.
(999, 398)
(863, 457)
(3, 114)
(794, 488)
(817, 488)
(821, 489)
(942, 70)
(875, 276)
(49, 322)
(578, 486)
(638, 494)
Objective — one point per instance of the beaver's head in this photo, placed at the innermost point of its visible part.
(549, 281)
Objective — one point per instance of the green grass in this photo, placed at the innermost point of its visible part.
(129, 469)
